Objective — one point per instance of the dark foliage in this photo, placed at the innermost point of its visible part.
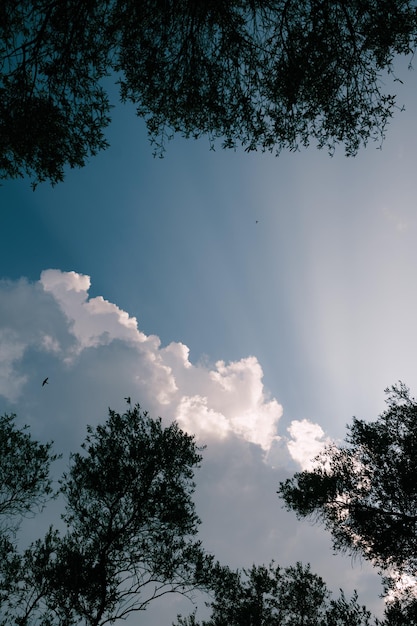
(130, 533)
(264, 74)
(365, 492)
(25, 487)
(275, 596)
(25, 484)
(401, 612)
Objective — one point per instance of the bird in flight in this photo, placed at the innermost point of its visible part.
(45, 382)
(128, 400)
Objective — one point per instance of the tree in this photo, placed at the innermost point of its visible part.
(25, 487)
(25, 484)
(365, 492)
(264, 74)
(274, 596)
(401, 612)
(130, 529)
(52, 107)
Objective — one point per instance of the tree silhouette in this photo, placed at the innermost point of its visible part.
(264, 74)
(25, 488)
(365, 492)
(130, 530)
(275, 596)
(25, 485)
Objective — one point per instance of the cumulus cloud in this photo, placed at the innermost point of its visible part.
(231, 399)
(93, 321)
(95, 354)
(307, 441)
(98, 351)
(93, 340)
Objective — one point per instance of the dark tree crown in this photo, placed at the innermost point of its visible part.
(129, 524)
(365, 492)
(262, 74)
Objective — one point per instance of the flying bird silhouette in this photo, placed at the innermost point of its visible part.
(128, 399)
(45, 382)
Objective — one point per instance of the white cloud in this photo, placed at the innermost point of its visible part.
(94, 321)
(230, 399)
(307, 440)
(194, 415)
(60, 282)
(98, 349)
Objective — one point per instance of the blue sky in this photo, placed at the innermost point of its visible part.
(243, 330)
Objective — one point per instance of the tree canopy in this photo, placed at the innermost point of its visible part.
(275, 596)
(130, 529)
(365, 492)
(25, 484)
(264, 74)
(25, 487)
